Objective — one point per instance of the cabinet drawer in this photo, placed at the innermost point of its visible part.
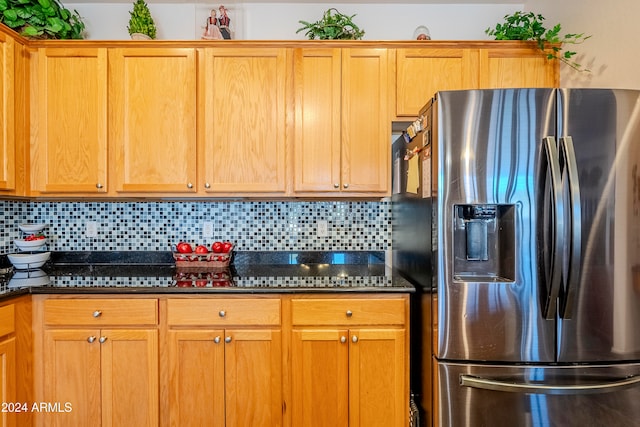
(205, 312)
(348, 311)
(101, 312)
(7, 320)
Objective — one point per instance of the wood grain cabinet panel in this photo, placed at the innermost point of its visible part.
(8, 392)
(152, 119)
(7, 117)
(245, 122)
(516, 67)
(69, 121)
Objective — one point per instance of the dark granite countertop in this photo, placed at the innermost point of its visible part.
(249, 272)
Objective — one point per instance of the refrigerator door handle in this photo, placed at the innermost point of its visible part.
(558, 228)
(593, 388)
(568, 159)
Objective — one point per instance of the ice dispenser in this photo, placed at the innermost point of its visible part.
(484, 243)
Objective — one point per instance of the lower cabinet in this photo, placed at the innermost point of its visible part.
(225, 362)
(8, 367)
(349, 363)
(106, 374)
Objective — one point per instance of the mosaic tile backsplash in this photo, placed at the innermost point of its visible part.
(154, 226)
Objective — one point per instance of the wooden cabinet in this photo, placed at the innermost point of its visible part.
(244, 149)
(342, 126)
(7, 118)
(69, 121)
(421, 72)
(99, 361)
(8, 395)
(523, 66)
(225, 362)
(349, 362)
(152, 118)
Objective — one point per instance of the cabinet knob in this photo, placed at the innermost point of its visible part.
(91, 339)
(189, 185)
(343, 339)
(354, 338)
(98, 186)
(97, 313)
(346, 185)
(207, 185)
(336, 185)
(222, 313)
(349, 313)
(227, 340)
(217, 340)
(102, 339)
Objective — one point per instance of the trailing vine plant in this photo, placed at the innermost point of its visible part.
(530, 26)
(333, 26)
(41, 19)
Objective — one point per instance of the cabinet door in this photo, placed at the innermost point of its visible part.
(196, 379)
(7, 122)
(517, 67)
(320, 378)
(317, 80)
(69, 121)
(72, 375)
(378, 394)
(420, 73)
(8, 380)
(129, 370)
(253, 378)
(244, 120)
(366, 125)
(152, 118)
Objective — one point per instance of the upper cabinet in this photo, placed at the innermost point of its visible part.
(342, 125)
(245, 121)
(421, 72)
(7, 120)
(516, 67)
(152, 118)
(69, 121)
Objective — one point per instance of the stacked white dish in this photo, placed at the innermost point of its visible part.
(30, 255)
(28, 260)
(30, 245)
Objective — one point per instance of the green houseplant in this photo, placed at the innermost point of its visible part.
(530, 26)
(41, 19)
(141, 21)
(332, 26)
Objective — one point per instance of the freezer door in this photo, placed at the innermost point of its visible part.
(575, 396)
(490, 284)
(600, 307)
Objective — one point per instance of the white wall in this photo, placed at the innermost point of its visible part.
(279, 21)
(613, 51)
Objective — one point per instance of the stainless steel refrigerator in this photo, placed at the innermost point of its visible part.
(517, 213)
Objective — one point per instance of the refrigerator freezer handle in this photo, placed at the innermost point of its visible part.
(592, 388)
(555, 276)
(568, 158)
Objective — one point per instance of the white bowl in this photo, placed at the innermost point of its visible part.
(32, 228)
(30, 245)
(28, 261)
(29, 278)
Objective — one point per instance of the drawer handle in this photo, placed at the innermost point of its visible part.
(349, 313)
(217, 339)
(99, 186)
(97, 313)
(343, 339)
(222, 313)
(189, 185)
(227, 340)
(207, 185)
(102, 339)
(354, 339)
(91, 339)
(336, 185)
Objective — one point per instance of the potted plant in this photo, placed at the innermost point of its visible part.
(41, 19)
(333, 26)
(529, 26)
(141, 25)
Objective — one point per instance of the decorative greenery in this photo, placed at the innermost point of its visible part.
(141, 20)
(529, 26)
(45, 19)
(333, 26)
